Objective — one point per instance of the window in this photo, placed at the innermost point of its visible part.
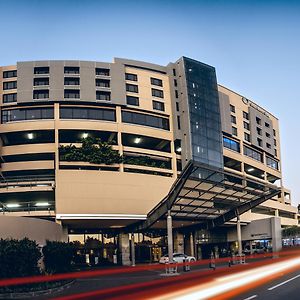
(234, 131)
(87, 113)
(246, 125)
(275, 143)
(145, 120)
(133, 88)
(231, 144)
(176, 93)
(72, 81)
(41, 94)
(268, 145)
(259, 131)
(258, 120)
(9, 74)
(174, 72)
(41, 70)
(259, 142)
(275, 152)
(27, 114)
(131, 100)
(178, 123)
(102, 95)
(103, 83)
(9, 85)
(156, 81)
(158, 105)
(245, 115)
(233, 119)
(232, 108)
(267, 124)
(253, 154)
(71, 70)
(102, 71)
(131, 77)
(72, 94)
(268, 134)
(157, 93)
(177, 106)
(175, 82)
(247, 137)
(40, 81)
(274, 132)
(272, 163)
(8, 98)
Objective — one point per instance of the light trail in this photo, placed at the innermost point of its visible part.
(227, 283)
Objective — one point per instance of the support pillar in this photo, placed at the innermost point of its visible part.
(276, 234)
(239, 234)
(192, 246)
(178, 242)
(170, 236)
(132, 250)
(124, 248)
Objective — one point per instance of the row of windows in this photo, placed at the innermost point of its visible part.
(231, 144)
(71, 70)
(272, 163)
(134, 77)
(83, 113)
(8, 98)
(9, 85)
(131, 100)
(253, 153)
(10, 74)
(133, 88)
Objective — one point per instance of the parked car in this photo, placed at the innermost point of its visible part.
(255, 250)
(177, 257)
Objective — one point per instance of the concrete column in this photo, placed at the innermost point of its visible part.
(178, 242)
(192, 246)
(124, 248)
(132, 250)
(239, 234)
(276, 233)
(170, 236)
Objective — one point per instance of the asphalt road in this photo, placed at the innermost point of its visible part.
(284, 287)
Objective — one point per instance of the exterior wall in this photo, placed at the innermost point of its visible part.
(34, 229)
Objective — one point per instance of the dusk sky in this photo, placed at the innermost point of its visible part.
(254, 46)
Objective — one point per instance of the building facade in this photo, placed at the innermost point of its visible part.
(149, 122)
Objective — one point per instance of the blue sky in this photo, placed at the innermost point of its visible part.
(254, 45)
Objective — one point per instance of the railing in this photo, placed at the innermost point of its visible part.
(31, 206)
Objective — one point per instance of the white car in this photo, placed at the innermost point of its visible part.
(177, 257)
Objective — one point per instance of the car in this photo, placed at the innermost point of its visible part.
(177, 257)
(255, 250)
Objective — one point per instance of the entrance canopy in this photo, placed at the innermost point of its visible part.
(206, 197)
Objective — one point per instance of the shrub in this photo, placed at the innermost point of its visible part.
(58, 257)
(19, 258)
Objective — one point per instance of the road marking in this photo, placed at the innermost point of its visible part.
(251, 297)
(282, 283)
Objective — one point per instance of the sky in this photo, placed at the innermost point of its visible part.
(254, 46)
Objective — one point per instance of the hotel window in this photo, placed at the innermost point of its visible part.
(174, 72)
(275, 143)
(247, 137)
(275, 152)
(246, 125)
(71, 70)
(157, 93)
(176, 94)
(231, 144)
(156, 81)
(268, 146)
(259, 142)
(158, 105)
(145, 120)
(102, 72)
(232, 108)
(103, 83)
(87, 113)
(178, 123)
(272, 163)
(267, 124)
(41, 70)
(41, 94)
(131, 100)
(253, 154)
(102, 95)
(177, 106)
(8, 98)
(9, 74)
(233, 119)
(175, 82)
(40, 81)
(234, 131)
(133, 88)
(131, 77)
(274, 132)
(72, 81)
(268, 135)
(72, 94)
(245, 115)
(258, 120)
(259, 131)
(9, 85)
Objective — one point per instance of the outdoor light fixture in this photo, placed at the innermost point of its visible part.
(85, 135)
(178, 149)
(250, 170)
(42, 204)
(12, 205)
(30, 136)
(137, 140)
